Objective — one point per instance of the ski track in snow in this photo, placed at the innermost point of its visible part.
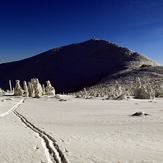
(52, 150)
(12, 109)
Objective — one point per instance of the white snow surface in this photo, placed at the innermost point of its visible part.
(86, 131)
(17, 143)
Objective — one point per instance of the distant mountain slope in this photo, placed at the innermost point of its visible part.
(73, 67)
(128, 81)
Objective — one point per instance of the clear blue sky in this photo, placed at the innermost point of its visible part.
(28, 27)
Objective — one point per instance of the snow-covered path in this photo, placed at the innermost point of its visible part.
(17, 143)
(51, 149)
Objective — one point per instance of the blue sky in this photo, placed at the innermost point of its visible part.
(30, 27)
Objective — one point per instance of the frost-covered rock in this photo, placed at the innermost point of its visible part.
(139, 114)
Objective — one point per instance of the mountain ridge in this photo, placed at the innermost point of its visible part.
(73, 67)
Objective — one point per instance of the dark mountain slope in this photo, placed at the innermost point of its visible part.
(72, 67)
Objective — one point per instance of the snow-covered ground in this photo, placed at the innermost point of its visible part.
(81, 131)
(17, 143)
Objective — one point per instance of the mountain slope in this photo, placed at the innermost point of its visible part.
(128, 81)
(73, 67)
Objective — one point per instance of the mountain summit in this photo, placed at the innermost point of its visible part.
(73, 67)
